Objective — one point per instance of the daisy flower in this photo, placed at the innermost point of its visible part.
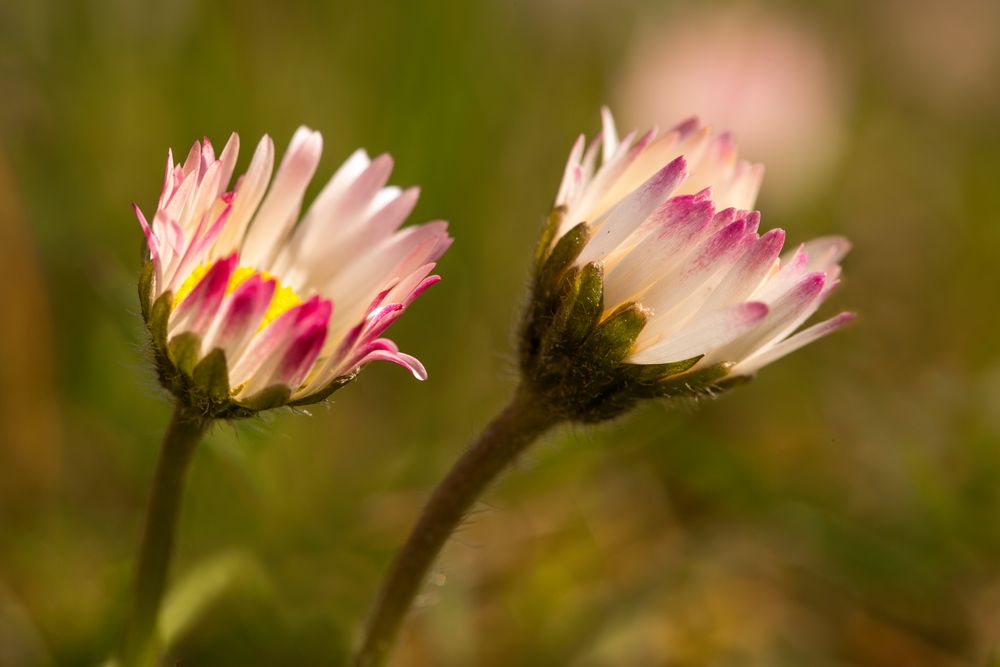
(252, 306)
(652, 277)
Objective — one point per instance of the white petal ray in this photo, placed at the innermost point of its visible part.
(704, 334)
(277, 213)
(769, 355)
(249, 191)
(628, 214)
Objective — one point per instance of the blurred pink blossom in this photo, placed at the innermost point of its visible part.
(767, 78)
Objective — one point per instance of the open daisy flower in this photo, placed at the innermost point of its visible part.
(652, 278)
(251, 308)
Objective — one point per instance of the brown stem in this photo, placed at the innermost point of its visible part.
(183, 434)
(509, 434)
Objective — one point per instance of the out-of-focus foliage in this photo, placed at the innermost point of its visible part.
(840, 510)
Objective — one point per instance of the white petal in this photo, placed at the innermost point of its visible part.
(632, 211)
(826, 252)
(704, 334)
(249, 191)
(771, 354)
(713, 258)
(284, 199)
(325, 238)
(571, 175)
(227, 162)
(678, 225)
(609, 133)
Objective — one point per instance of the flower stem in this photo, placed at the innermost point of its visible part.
(509, 434)
(183, 434)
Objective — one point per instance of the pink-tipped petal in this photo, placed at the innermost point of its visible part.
(749, 271)
(180, 199)
(786, 314)
(712, 258)
(401, 292)
(628, 214)
(686, 127)
(197, 248)
(408, 362)
(791, 268)
(421, 288)
(671, 238)
(769, 355)
(151, 241)
(380, 319)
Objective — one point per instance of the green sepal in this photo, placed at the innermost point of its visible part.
(573, 355)
(567, 249)
(613, 338)
(184, 351)
(548, 235)
(550, 286)
(211, 376)
(646, 373)
(588, 306)
(326, 391)
(693, 384)
(159, 315)
(146, 288)
(565, 301)
(272, 397)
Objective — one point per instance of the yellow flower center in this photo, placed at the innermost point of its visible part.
(284, 297)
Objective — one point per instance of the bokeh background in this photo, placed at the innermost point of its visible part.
(840, 510)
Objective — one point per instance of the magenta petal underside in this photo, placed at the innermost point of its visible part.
(243, 314)
(408, 362)
(278, 334)
(300, 355)
(198, 309)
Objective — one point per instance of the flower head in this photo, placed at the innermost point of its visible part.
(651, 278)
(251, 308)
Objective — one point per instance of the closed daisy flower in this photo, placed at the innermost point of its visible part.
(652, 278)
(251, 306)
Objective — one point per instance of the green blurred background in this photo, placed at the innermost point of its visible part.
(840, 510)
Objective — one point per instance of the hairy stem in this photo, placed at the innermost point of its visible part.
(509, 434)
(183, 434)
